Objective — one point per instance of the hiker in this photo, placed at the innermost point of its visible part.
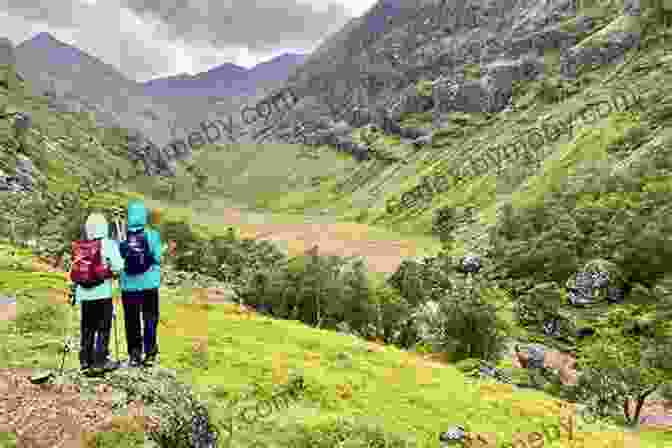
(95, 259)
(140, 281)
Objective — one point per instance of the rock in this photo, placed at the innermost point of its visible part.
(585, 332)
(552, 327)
(7, 56)
(470, 264)
(490, 371)
(361, 152)
(453, 435)
(7, 300)
(423, 141)
(616, 45)
(598, 280)
(156, 161)
(22, 121)
(632, 8)
(345, 144)
(415, 133)
(534, 356)
(469, 96)
(341, 128)
(26, 173)
(500, 76)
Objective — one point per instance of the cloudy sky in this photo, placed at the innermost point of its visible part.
(145, 39)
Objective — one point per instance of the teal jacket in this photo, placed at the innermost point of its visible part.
(137, 219)
(97, 227)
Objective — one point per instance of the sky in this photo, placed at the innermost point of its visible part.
(146, 39)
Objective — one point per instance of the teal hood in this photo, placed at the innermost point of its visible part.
(96, 226)
(137, 215)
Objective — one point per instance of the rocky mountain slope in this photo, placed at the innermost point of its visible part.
(77, 81)
(74, 81)
(445, 83)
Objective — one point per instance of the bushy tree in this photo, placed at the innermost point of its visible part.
(622, 367)
(421, 281)
(466, 324)
(587, 216)
(317, 290)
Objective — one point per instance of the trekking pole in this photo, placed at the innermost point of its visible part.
(117, 225)
(116, 332)
(71, 302)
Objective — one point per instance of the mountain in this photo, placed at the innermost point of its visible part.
(78, 81)
(201, 84)
(226, 79)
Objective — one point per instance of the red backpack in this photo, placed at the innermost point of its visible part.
(87, 268)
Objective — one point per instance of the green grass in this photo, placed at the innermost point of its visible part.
(390, 388)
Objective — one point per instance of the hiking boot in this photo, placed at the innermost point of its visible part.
(150, 360)
(135, 361)
(107, 365)
(151, 357)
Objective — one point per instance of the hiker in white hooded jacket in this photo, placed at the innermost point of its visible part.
(96, 301)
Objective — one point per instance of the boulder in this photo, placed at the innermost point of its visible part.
(414, 133)
(345, 144)
(598, 280)
(22, 121)
(532, 357)
(470, 264)
(552, 327)
(24, 179)
(470, 96)
(361, 152)
(499, 77)
(616, 45)
(423, 141)
(157, 162)
(535, 353)
(453, 435)
(341, 128)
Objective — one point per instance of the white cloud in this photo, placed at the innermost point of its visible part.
(146, 39)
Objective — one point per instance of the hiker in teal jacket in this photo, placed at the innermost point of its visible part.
(97, 301)
(140, 285)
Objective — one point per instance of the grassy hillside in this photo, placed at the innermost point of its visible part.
(226, 354)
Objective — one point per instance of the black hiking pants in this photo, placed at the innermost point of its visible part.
(96, 320)
(147, 303)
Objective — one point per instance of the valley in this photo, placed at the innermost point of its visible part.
(443, 235)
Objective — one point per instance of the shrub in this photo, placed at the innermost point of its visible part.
(419, 282)
(317, 290)
(468, 365)
(346, 433)
(590, 215)
(125, 432)
(394, 323)
(465, 325)
(444, 223)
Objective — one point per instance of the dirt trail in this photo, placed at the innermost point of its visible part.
(344, 239)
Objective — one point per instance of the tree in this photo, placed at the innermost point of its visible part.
(625, 367)
(466, 324)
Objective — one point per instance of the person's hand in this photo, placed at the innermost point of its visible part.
(71, 294)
